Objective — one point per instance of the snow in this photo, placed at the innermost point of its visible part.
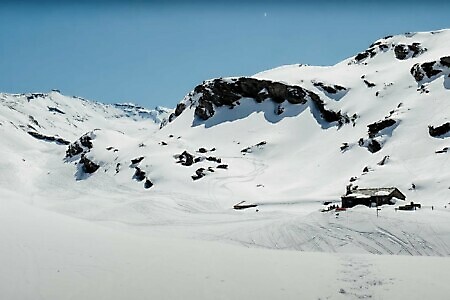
(51, 256)
(104, 236)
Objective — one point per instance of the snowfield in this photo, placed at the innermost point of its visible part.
(121, 202)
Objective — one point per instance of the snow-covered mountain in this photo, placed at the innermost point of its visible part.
(281, 143)
(286, 140)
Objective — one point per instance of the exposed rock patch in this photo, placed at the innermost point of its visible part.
(251, 148)
(88, 165)
(330, 89)
(403, 51)
(82, 146)
(47, 138)
(430, 69)
(215, 93)
(375, 128)
(56, 110)
(439, 130)
(137, 160)
(369, 84)
(185, 158)
(139, 175)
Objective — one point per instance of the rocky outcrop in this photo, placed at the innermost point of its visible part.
(373, 146)
(403, 51)
(439, 130)
(427, 70)
(374, 49)
(330, 89)
(369, 84)
(56, 110)
(215, 93)
(88, 165)
(139, 175)
(250, 149)
(137, 160)
(220, 92)
(185, 159)
(445, 61)
(199, 173)
(148, 184)
(375, 128)
(47, 138)
(82, 146)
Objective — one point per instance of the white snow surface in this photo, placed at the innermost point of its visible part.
(106, 236)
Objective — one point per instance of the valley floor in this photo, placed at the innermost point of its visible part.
(45, 255)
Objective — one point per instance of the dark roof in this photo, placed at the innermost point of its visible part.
(371, 192)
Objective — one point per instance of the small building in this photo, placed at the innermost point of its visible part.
(371, 196)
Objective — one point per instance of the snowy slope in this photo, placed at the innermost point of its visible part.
(287, 140)
(50, 256)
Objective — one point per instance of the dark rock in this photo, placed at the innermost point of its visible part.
(117, 168)
(444, 150)
(328, 115)
(179, 109)
(222, 166)
(429, 70)
(445, 61)
(88, 165)
(376, 127)
(402, 51)
(383, 161)
(73, 150)
(331, 89)
(81, 146)
(204, 110)
(417, 72)
(137, 160)
(366, 169)
(47, 138)
(344, 147)
(163, 143)
(35, 96)
(361, 56)
(249, 149)
(212, 158)
(55, 109)
(279, 109)
(86, 141)
(439, 130)
(202, 150)
(369, 84)
(373, 146)
(139, 175)
(186, 159)
(148, 184)
(199, 173)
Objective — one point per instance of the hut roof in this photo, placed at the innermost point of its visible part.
(370, 192)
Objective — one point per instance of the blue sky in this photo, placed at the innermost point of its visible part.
(153, 53)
